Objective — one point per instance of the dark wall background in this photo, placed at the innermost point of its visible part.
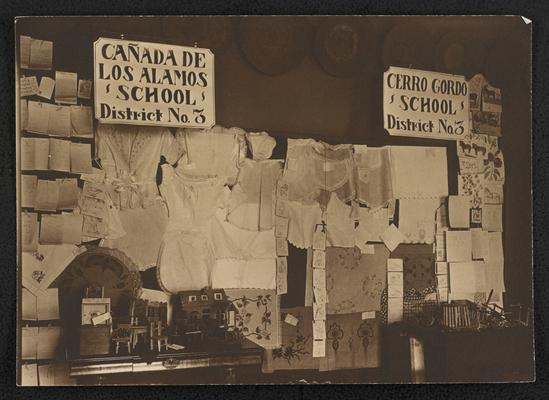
(306, 101)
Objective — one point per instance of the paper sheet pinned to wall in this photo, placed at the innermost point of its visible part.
(29, 231)
(61, 229)
(28, 190)
(458, 246)
(458, 209)
(28, 86)
(492, 217)
(41, 54)
(46, 87)
(66, 87)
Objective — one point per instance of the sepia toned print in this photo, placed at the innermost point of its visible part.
(261, 199)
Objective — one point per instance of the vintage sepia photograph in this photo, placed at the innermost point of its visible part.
(273, 200)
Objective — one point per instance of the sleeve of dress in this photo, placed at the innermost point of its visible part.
(171, 149)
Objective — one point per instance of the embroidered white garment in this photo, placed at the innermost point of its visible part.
(144, 230)
(252, 198)
(315, 169)
(186, 256)
(244, 274)
(419, 172)
(340, 224)
(212, 152)
(261, 145)
(303, 219)
(129, 156)
(371, 225)
(373, 173)
(416, 219)
(244, 259)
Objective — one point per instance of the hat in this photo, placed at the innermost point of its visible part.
(274, 45)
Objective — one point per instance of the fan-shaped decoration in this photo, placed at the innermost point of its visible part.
(274, 45)
(97, 267)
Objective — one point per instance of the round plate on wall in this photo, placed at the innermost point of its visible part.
(274, 45)
(341, 46)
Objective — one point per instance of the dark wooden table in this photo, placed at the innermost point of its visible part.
(96, 370)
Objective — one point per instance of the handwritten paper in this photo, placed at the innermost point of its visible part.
(458, 207)
(493, 192)
(59, 229)
(470, 165)
(69, 193)
(84, 89)
(24, 51)
(29, 231)
(47, 302)
(41, 54)
(66, 87)
(60, 155)
(28, 86)
(49, 338)
(369, 315)
(480, 245)
(29, 375)
(28, 306)
(492, 217)
(28, 190)
(442, 281)
(59, 120)
(81, 121)
(392, 237)
(467, 277)
(80, 158)
(38, 117)
(281, 275)
(47, 195)
(29, 343)
(46, 87)
(458, 246)
(440, 246)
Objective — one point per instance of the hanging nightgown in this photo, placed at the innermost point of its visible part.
(186, 256)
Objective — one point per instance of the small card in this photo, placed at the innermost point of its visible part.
(392, 237)
(441, 267)
(319, 311)
(458, 246)
(101, 318)
(66, 86)
(319, 259)
(459, 207)
(28, 86)
(281, 275)
(46, 87)
(319, 237)
(319, 330)
(395, 265)
(290, 319)
(84, 89)
(283, 190)
(319, 348)
(281, 209)
(395, 309)
(442, 281)
(492, 217)
(41, 54)
(281, 247)
(281, 227)
(369, 315)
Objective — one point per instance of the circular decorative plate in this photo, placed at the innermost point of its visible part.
(274, 45)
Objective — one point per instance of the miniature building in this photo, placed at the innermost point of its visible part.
(205, 311)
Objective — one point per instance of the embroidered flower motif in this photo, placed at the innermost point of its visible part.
(335, 334)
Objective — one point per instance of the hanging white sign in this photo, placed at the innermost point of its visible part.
(153, 84)
(425, 104)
